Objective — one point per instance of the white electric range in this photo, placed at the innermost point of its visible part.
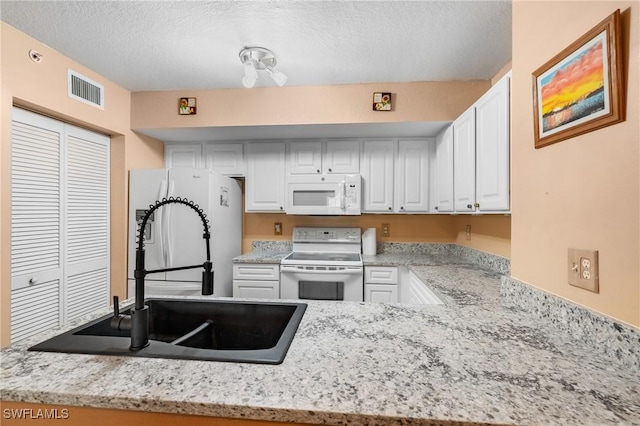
(325, 264)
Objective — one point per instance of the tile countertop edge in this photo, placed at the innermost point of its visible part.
(616, 340)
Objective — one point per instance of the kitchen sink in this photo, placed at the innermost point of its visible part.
(213, 330)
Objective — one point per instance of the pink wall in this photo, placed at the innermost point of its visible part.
(583, 192)
(42, 87)
(418, 101)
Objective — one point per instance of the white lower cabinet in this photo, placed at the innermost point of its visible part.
(393, 284)
(418, 293)
(256, 280)
(381, 293)
(248, 289)
(381, 284)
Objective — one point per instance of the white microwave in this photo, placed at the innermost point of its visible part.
(324, 194)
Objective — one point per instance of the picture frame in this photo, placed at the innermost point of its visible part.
(581, 88)
(382, 101)
(187, 106)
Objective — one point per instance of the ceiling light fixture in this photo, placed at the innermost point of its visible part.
(256, 59)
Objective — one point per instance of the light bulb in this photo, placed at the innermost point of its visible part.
(250, 75)
(279, 77)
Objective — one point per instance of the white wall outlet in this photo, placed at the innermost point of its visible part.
(583, 269)
(468, 232)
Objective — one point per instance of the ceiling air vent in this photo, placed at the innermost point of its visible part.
(85, 90)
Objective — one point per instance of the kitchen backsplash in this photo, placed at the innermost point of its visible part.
(475, 257)
(272, 246)
(485, 260)
(617, 340)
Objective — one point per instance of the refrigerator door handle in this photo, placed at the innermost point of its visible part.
(167, 225)
(160, 226)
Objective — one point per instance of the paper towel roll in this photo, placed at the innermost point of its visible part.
(369, 241)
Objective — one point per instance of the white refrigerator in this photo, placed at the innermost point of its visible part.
(174, 233)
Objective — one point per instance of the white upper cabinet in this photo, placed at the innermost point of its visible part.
(442, 185)
(328, 157)
(377, 175)
(464, 160)
(304, 157)
(225, 158)
(492, 148)
(412, 176)
(341, 157)
(182, 155)
(481, 153)
(265, 185)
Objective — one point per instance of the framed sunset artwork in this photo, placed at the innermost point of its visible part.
(580, 89)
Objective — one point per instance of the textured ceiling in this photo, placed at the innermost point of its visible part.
(170, 45)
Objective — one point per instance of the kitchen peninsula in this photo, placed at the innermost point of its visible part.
(470, 361)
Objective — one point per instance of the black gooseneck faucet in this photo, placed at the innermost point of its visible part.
(138, 321)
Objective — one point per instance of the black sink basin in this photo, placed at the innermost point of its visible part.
(255, 332)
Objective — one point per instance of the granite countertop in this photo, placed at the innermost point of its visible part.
(436, 255)
(470, 361)
(261, 257)
(384, 259)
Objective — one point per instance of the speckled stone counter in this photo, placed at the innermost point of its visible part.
(470, 361)
(392, 254)
(265, 252)
(261, 257)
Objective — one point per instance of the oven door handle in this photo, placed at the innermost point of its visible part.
(350, 271)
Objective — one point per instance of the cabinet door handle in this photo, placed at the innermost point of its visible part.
(436, 207)
(281, 208)
(33, 280)
(318, 171)
(469, 206)
(401, 207)
(329, 169)
(476, 205)
(389, 208)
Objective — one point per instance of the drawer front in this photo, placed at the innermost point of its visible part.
(248, 289)
(381, 274)
(381, 293)
(256, 271)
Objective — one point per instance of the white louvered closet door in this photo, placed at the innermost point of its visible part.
(86, 248)
(59, 223)
(36, 223)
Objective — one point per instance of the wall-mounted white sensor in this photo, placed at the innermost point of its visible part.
(35, 56)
